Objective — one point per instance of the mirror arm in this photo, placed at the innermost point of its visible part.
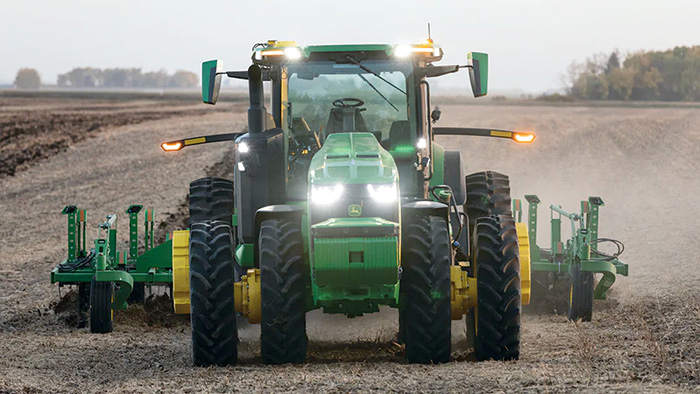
(172, 146)
(266, 75)
(437, 71)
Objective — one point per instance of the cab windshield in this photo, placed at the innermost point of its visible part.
(328, 97)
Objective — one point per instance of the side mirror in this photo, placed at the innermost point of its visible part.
(478, 72)
(211, 80)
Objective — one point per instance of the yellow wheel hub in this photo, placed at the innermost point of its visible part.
(181, 271)
(246, 296)
(525, 273)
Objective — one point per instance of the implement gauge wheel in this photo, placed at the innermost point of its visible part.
(284, 282)
(101, 313)
(496, 258)
(213, 317)
(580, 294)
(425, 323)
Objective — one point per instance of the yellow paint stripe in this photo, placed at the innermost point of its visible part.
(496, 133)
(194, 141)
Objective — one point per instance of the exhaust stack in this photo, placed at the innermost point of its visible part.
(256, 111)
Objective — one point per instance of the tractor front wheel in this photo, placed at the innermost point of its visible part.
(426, 321)
(101, 314)
(497, 262)
(213, 317)
(284, 288)
(580, 294)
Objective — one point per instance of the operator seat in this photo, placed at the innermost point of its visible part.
(399, 134)
(344, 120)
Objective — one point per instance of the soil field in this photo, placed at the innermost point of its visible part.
(643, 162)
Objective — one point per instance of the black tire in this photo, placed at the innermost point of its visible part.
(425, 289)
(101, 314)
(83, 303)
(470, 319)
(488, 193)
(211, 199)
(497, 263)
(284, 280)
(138, 294)
(212, 313)
(581, 294)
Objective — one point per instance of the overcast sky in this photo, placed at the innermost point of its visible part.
(531, 43)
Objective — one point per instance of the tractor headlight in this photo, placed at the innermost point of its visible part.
(243, 147)
(383, 193)
(325, 195)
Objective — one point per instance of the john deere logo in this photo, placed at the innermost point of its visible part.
(354, 210)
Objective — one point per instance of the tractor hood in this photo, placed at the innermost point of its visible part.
(352, 158)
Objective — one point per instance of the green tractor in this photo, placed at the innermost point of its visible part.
(342, 201)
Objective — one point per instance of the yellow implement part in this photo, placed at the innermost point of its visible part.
(524, 242)
(463, 292)
(246, 296)
(181, 271)
(499, 133)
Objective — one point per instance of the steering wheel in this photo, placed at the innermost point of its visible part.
(348, 102)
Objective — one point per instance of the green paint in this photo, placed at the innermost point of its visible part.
(338, 162)
(479, 72)
(154, 266)
(577, 249)
(73, 237)
(356, 274)
(308, 50)
(125, 283)
(211, 81)
(438, 162)
(245, 255)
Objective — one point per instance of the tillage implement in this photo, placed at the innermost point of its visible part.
(341, 201)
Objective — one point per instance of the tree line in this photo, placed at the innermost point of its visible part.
(88, 77)
(671, 75)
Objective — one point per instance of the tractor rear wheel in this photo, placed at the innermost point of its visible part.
(211, 199)
(284, 288)
(488, 193)
(580, 294)
(212, 313)
(101, 314)
(497, 263)
(426, 321)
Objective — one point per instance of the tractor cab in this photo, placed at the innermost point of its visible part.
(318, 91)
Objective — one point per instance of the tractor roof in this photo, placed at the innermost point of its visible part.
(280, 50)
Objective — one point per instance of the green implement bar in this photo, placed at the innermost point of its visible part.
(578, 249)
(124, 281)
